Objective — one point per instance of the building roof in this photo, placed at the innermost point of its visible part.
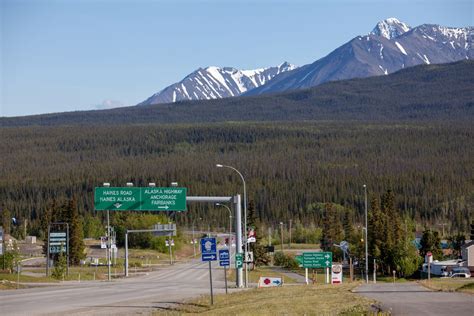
(469, 244)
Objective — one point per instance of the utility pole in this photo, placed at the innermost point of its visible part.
(269, 236)
(281, 232)
(289, 243)
(366, 244)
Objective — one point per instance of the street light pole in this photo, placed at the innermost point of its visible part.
(281, 233)
(230, 229)
(245, 218)
(366, 243)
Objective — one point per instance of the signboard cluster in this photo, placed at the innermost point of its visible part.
(140, 199)
(58, 242)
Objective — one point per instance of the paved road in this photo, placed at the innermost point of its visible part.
(414, 299)
(140, 295)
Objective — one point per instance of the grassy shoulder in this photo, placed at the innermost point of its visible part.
(450, 285)
(255, 274)
(286, 300)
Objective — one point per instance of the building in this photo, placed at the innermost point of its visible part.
(467, 252)
(441, 268)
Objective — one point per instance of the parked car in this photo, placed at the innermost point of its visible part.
(461, 275)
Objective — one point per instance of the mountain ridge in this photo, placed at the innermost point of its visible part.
(424, 92)
(216, 82)
(392, 45)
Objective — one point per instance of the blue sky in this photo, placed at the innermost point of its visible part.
(77, 55)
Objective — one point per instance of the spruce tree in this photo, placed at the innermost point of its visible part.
(260, 255)
(76, 233)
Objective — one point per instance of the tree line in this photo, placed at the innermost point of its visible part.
(291, 170)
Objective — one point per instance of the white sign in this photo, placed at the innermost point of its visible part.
(103, 242)
(269, 282)
(249, 257)
(336, 274)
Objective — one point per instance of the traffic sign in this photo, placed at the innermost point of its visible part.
(224, 254)
(224, 263)
(163, 199)
(208, 249)
(239, 260)
(269, 282)
(57, 242)
(249, 257)
(317, 259)
(140, 199)
(209, 257)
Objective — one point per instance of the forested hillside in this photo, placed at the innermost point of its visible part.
(429, 92)
(289, 167)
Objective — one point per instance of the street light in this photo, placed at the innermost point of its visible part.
(366, 245)
(245, 218)
(194, 240)
(230, 227)
(109, 241)
(281, 232)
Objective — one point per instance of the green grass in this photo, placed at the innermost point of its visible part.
(467, 288)
(255, 274)
(12, 277)
(289, 300)
(449, 285)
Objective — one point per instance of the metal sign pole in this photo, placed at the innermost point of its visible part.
(108, 246)
(126, 253)
(47, 253)
(67, 249)
(210, 280)
(225, 278)
(238, 236)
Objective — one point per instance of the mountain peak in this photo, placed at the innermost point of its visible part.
(390, 28)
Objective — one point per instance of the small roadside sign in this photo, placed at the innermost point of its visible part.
(224, 259)
(336, 274)
(239, 260)
(249, 257)
(269, 282)
(208, 249)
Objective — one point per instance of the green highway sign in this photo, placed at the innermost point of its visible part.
(164, 199)
(317, 259)
(140, 199)
(117, 199)
(239, 260)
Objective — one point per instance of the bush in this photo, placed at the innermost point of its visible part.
(285, 261)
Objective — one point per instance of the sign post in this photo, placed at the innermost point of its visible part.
(209, 253)
(224, 261)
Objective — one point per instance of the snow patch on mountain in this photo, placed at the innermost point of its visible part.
(390, 28)
(215, 82)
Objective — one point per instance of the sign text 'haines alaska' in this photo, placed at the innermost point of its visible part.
(140, 199)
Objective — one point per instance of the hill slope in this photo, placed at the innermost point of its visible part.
(443, 92)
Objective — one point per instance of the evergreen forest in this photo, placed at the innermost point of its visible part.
(291, 169)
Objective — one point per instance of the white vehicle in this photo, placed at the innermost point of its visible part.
(461, 275)
(461, 271)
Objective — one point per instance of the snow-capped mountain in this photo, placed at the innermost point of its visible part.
(390, 28)
(215, 83)
(390, 46)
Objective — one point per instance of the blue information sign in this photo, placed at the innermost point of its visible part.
(208, 249)
(224, 258)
